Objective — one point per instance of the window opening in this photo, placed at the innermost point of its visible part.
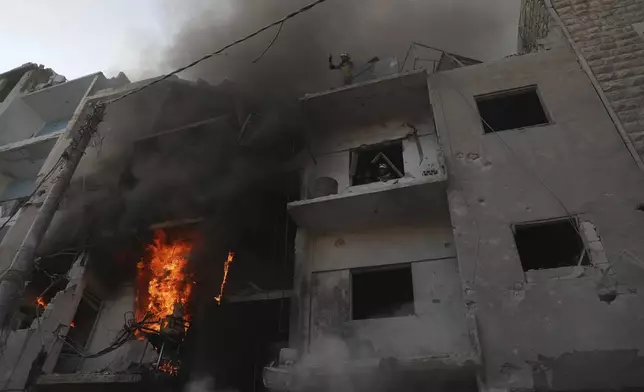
(382, 292)
(84, 320)
(550, 244)
(79, 334)
(512, 109)
(382, 162)
(48, 278)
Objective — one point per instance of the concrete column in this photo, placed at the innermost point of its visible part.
(301, 298)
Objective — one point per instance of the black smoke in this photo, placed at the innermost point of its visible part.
(297, 62)
(126, 184)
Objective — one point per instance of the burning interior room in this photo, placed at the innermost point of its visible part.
(184, 243)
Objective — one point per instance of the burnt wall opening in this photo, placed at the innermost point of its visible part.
(204, 177)
(382, 292)
(380, 162)
(257, 229)
(550, 244)
(48, 278)
(512, 109)
(232, 343)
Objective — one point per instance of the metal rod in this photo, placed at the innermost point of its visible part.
(391, 164)
(160, 354)
(145, 348)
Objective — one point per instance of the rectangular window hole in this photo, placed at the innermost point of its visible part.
(382, 292)
(84, 320)
(380, 162)
(512, 109)
(550, 244)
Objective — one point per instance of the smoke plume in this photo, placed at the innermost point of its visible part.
(297, 62)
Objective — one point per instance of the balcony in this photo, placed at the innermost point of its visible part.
(398, 202)
(356, 131)
(21, 165)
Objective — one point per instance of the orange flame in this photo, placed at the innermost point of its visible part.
(73, 324)
(168, 284)
(169, 368)
(41, 302)
(229, 260)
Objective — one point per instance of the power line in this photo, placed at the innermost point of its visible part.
(270, 44)
(230, 45)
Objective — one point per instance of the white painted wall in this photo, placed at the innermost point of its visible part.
(18, 88)
(4, 181)
(19, 121)
(59, 101)
(25, 116)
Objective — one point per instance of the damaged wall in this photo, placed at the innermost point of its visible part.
(581, 158)
(366, 114)
(21, 348)
(437, 294)
(170, 153)
(324, 323)
(111, 318)
(146, 146)
(84, 87)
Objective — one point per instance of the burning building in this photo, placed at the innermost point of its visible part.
(439, 224)
(169, 197)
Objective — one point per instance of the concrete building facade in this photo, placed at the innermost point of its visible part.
(481, 236)
(541, 326)
(364, 227)
(156, 143)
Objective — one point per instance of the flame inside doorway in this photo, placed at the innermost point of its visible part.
(163, 278)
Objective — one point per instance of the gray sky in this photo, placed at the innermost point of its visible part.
(148, 37)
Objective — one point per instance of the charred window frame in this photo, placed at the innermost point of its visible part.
(85, 320)
(382, 292)
(512, 109)
(49, 277)
(549, 244)
(378, 162)
(80, 334)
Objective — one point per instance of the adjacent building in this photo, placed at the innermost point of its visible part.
(606, 37)
(35, 109)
